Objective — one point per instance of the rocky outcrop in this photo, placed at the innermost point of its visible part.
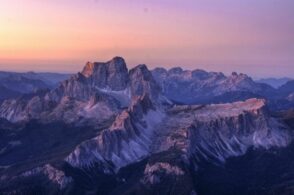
(49, 179)
(54, 175)
(152, 173)
(76, 87)
(126, 141)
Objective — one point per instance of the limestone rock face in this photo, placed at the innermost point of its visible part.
(142, 82)
(112, 75)
(126, 141)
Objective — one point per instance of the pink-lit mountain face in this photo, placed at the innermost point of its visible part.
(113, 130)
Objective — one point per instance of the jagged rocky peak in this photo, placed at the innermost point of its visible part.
(242, 82)
(89, 69)
(111, 75)
(240, 76)
(142, 82)
(141, 71)
(115, 64)
(76, 86)
(139, 107)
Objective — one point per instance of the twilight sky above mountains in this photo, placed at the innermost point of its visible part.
(251, 36)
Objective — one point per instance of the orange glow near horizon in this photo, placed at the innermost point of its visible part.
(63, 35)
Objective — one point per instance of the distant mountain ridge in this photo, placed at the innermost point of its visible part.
(47, 77)
(14, 84)
(274, 82)
(199, 86)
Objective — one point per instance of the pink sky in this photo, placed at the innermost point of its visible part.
(250, 36)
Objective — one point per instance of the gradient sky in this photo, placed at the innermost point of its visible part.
(250, 36)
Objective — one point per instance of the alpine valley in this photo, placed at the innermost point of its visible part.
(113, 130)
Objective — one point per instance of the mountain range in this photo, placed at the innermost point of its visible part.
(201, 87)
(111, 130)
(15, 84)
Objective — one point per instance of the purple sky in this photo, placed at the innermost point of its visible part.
(250, 36)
